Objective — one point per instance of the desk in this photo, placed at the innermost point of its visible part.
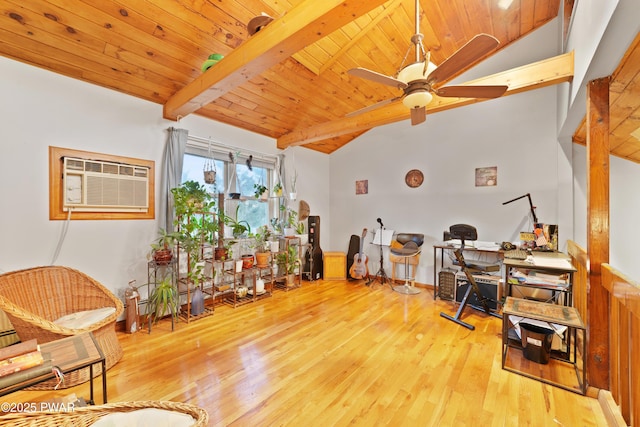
(551, 313)
(555, 263)
(69, 354)
(443, 247)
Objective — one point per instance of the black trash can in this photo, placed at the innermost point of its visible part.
(536, 342)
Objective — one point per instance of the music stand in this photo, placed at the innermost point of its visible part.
(381, 238)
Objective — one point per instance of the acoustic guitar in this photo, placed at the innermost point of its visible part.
(359, 269)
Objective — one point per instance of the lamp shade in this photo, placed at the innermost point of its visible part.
(415, 71)
(417, 99)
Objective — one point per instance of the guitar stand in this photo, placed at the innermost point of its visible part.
(472, 288)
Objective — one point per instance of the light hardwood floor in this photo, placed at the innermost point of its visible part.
(334, 354)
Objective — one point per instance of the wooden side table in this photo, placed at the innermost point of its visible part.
(69, 355)
(513, 359)
(335, 266)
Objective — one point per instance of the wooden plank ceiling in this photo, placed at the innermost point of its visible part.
(291, 83)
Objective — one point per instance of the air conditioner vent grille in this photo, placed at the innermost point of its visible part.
(94, 186)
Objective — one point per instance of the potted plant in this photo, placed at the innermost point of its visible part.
(277, 189)
(163, 300)
(246, 255)
(260, 191)
(191, 197)
(196, 226)
(162, 247)
(228, 249)
(291, 222)
(262, 235)
(238, 228)
(287, 262)
(300, 228)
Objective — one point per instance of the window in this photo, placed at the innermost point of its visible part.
(240, 179)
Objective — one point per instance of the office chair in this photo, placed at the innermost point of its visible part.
(411, 247)
(465, 232)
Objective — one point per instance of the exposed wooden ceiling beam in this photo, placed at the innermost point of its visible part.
(547, 72)
(306, 23)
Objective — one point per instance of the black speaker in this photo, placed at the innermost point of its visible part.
(489, 287)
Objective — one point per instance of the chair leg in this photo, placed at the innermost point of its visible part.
(407, 288)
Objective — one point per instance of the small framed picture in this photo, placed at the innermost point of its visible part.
(362, 186)
(487, 177)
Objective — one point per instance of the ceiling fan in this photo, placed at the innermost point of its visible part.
(421, 79)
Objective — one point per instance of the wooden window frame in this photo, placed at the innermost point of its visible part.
(56, 161)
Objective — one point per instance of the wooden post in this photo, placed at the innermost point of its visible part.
(597, 358)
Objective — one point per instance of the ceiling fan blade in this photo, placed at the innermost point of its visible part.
(373, 107)
(472, 91)
(377, 77)
(463, 58)
(418, 115)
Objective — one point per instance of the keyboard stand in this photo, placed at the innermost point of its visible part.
(473, 288)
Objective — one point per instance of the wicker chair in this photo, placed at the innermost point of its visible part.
(33, 298)
(85, 416)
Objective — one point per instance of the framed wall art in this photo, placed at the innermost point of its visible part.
(487, 177)
(362, 186)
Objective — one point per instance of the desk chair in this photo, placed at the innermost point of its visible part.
(465, 232)
(411, 246)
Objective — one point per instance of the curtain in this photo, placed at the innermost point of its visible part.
(171, 174)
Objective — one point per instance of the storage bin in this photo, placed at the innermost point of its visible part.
(536, 342)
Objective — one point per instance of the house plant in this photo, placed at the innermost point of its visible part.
(162, 247)
(287, 262)
(261, 237)
(191, 197)
(291, 222)
(196, 226)
(260, 191)
(163, 299)
(238, 227)
(300, 228)
(277, 189)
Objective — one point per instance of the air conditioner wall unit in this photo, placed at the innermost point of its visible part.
(97, 186)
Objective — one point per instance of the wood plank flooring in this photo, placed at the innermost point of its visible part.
(334, 354)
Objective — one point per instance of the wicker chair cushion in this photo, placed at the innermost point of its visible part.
(151, 417)
(84, 319)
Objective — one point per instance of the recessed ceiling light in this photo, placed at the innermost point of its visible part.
(636, 134)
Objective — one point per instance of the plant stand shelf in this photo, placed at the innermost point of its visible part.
(156, 273)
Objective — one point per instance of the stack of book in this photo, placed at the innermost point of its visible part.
(21, 362)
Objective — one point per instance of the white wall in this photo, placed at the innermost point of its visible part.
(40, 109)
(624, 208)
(601, 34)
(515, 133)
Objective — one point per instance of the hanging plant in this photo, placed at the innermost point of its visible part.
(209, 169)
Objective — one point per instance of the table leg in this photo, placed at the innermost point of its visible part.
(435, 273)
(104, 381)
(91, 401)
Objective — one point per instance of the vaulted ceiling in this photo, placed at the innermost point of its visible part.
(288, 81)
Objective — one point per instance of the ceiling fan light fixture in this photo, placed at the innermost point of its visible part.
(415, 71)
(417, 99)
